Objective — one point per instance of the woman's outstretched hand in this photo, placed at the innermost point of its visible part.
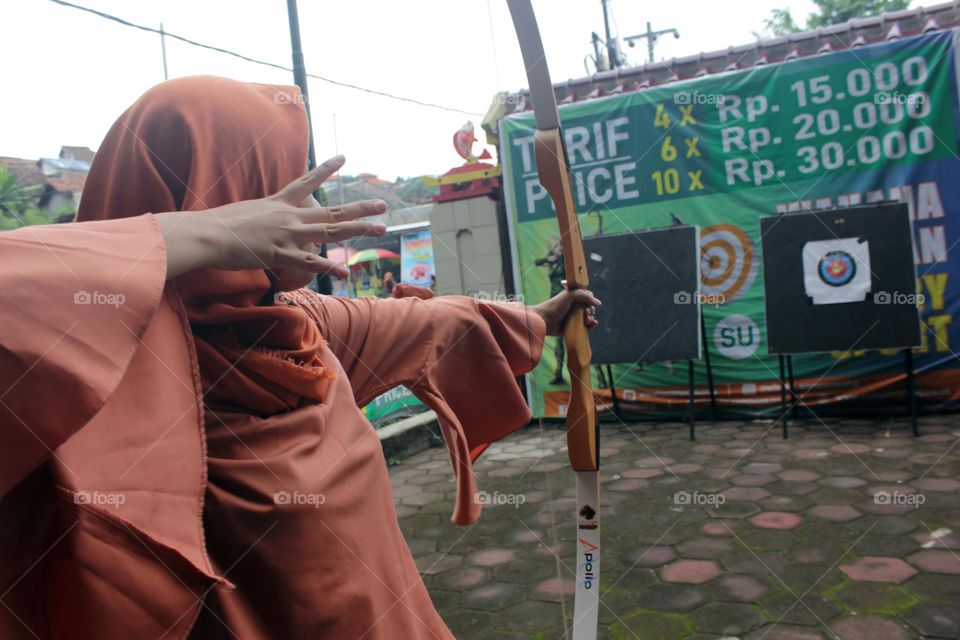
(557, 310)
(276, 232)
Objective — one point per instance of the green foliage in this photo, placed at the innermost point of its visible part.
(838, 11)
(15, 198)
(830, 12)
(18, 202)
(27, 218)
(780, 23)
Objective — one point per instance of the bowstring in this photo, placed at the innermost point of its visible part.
(553, 533)
(546, 476)
(546, 473)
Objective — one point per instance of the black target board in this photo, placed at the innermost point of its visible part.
(649, 283)
(840, 279)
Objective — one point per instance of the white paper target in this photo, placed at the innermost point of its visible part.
(837, 271)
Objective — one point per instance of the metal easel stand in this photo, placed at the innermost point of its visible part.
(911, 390)
(794, 401)
(784, 411)
(706, 360)
(692, 411)
(613, 391)
(692, 405)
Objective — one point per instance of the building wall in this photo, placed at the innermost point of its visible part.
(466, 248)
(61, 202)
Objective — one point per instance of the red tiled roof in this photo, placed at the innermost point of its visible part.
(851, 34)
(66, 184)
(30, 175)
(25, 169)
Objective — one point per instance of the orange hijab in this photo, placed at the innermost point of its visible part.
(197, 143)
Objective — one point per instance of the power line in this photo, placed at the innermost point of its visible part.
(493, 43)
(210, 47)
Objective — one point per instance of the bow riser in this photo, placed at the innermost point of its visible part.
(582, 444)
(583, 447)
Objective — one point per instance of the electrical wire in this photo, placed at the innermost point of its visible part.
(493, 44)
(273, 65)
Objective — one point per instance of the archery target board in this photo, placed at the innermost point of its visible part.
(649, 284)
(841, 279)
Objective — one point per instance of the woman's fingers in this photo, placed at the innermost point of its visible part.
(583, 297)
(350, 211)
(322, 233)
(307, 261)
(298, 190)
(589, 303)
(590, 318)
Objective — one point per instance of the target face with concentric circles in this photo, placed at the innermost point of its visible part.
(837, 268)
(727, 265)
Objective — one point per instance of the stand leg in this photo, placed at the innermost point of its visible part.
(793, 393)
(613, 391)
(706, 361)
(783, 398)
(911, 390)
(693, 403)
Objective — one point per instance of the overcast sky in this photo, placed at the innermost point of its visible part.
(67, 75)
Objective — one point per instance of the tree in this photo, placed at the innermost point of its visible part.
(839, 11)
(780, 23)
(830, 12)
(18, 202)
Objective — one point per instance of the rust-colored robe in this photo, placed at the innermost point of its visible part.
(130, 509)
(105, 461)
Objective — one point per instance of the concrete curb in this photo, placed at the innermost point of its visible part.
(410, 435)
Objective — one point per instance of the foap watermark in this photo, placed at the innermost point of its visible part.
(896, 97)
(281, 97)
(899, 498)
(285, 498)
(687, 297)
(697, 97)
(100, 499)
(509, 98)
(293, 297)
(99, 297)
(496, 499)
(497, 296)
(895, 297)
(696, 498)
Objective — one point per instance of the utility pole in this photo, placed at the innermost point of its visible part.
(613, 58)
(595, 41)
(300, 72)
(163, 51)
(652, 37)
(300, 78)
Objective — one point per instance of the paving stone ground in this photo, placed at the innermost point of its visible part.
(849, 529)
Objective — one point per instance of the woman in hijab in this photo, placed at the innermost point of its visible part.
(181, 448)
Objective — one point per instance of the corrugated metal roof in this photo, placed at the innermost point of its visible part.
(69, 165)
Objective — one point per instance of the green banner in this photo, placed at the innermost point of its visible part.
(396, 403)
(867, 124)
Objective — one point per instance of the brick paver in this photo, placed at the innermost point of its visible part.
(740, 534)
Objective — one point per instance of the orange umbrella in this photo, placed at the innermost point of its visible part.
(371, 255)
